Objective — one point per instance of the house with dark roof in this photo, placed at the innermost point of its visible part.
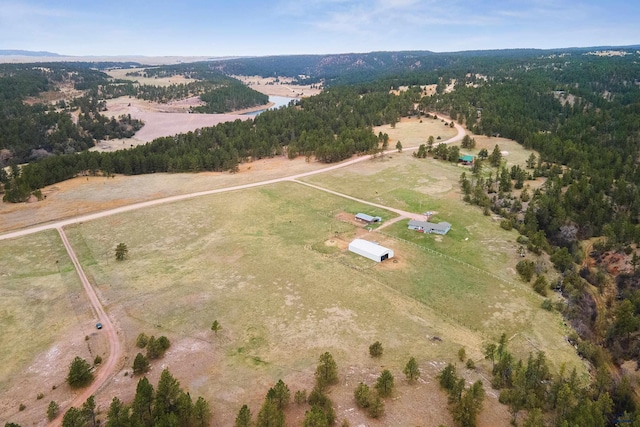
(429, 227)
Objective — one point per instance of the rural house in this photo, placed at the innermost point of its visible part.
(429, 227)
(370, 250)
(367, 218)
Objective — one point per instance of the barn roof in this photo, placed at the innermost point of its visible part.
(367, 218)
(368, 246)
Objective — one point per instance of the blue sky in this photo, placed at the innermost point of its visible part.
(253, 27)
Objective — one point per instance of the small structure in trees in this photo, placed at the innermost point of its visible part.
(370, 250)
(466, 159)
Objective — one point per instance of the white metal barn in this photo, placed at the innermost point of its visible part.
(370, 250)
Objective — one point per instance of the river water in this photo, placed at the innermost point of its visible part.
(279, 101)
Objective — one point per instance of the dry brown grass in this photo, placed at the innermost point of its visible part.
(269, 264)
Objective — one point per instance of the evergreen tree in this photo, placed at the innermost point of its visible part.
(281, 394)
(89, 411)
(215, 326)
(362, 395)
(243, 419)
(74, 417)
(327, 371)
(118, 415)
(495, 158)
(315, 417)
(121, 251)
(80, 374)
(270, 415)
(167, 394)
(375, 349)
(140, 364)
(411, 370)
(142, 408)
(52, 410)
(376, 408)
(201, 413)
(384, 384)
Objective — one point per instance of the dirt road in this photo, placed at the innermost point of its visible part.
(115, 353)
(105, 372)
(171, 199)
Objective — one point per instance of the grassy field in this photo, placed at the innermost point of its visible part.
(248, 260)
(270, 264)
(44, 318)
(475, 262)
(261, 262)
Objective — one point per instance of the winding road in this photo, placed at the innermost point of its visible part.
(106, 371)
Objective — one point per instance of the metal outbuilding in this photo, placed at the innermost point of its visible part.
(368, 218)
(370, 250)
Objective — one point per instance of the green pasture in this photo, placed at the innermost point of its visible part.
(257, 261)
(41, 299)
(270, 264)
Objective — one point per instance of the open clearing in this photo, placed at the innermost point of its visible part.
(44, 319)
(159, 120)
(269, 264)
(280, 86)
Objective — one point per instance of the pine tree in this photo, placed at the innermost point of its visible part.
(121, 251)
(80, 374)
(385, 384)
(167, 394)
(327, 371)
(140, 364)
(244, 417)
(142, 408)
(411, 370)
(118, 415)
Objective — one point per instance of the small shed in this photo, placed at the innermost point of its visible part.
(429, 227)
(466, 159)
(367, 218)
(370, 250)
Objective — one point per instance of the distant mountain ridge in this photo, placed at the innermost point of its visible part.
(18, 52)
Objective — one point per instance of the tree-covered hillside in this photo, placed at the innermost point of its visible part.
(578, 108)
(32, 127)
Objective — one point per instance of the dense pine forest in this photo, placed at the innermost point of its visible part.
(579, 110)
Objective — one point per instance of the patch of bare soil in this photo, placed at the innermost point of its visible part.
(280, 86)
(47, 374)
(616, 263)
(159, 120)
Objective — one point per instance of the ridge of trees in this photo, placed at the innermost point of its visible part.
(331, 126)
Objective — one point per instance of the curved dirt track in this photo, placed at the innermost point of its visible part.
(107, 370)
(115, 347)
